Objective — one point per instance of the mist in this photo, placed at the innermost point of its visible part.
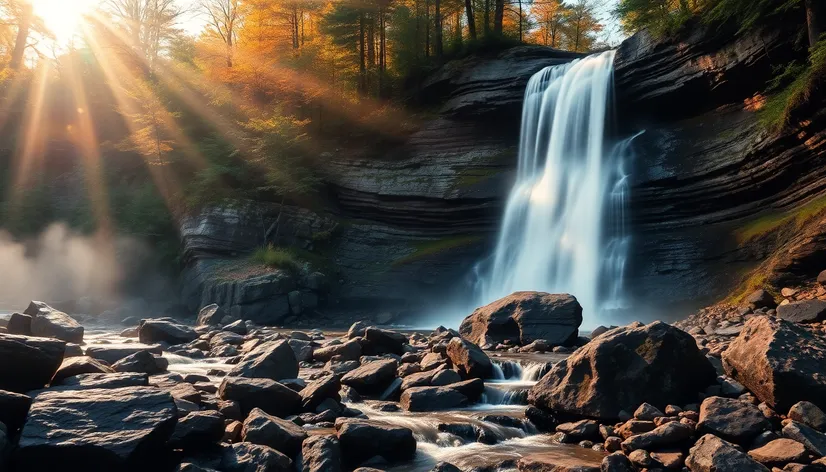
(62, 266)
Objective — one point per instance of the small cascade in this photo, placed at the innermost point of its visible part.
(500, 396)
(513, 371)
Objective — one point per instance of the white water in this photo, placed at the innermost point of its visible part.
(564, 225)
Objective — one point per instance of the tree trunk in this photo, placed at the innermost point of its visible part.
(457, 34)
(229, 50)
(438, 48)
(471, 22)
(427, 28)
(362, 78)
(815, 19)
(22, 36)
(371, 42)
(486, 18)
(520, 21)
(498, 17)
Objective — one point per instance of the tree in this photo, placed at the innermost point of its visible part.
(147, 26)
(471, 21)
(815, 20)
(24, 22)
(582, 25)
(223, 17)
(551, 17)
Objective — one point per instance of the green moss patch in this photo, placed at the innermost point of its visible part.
(772, 222)
(429, 248)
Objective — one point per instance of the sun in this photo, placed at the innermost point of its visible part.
(63, 17)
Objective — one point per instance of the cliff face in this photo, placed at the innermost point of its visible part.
(708, 175)
(404, 231)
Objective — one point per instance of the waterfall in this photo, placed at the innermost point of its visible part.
(564, 225)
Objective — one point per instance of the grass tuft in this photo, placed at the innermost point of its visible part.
(276, 257)
(429, 248)
(769, 223)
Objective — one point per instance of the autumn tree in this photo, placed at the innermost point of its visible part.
(223, 18)
(582, 25)
(146, 25)
(550, 17)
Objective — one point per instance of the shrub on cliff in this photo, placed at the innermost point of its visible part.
(276, 257)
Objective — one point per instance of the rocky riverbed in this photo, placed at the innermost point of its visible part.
(515, 388)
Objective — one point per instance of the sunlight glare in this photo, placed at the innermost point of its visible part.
(63, 17)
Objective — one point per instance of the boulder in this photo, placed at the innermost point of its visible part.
(655, 363)
(115, 380)
(812, 440)
(20, 324)
(165, 331)
(372, 378)
(524, 317)
(198, 430)
(804, 311)
(268, 395)
(382, 341)
(348, 351)
(582, 429)
(779, 362)
(28, 363)
(247, 457)
(583, 461)
(712, 454)
(731, 419)
(142, 362)
(760, 299)
(470, 360)
(809, 414)
(282, 435)
(210, 315)
(432, 399)
(321, 454)
(667, 435)
(72, 366)
(616, 462)
(98, 429)
(319, 390)
(303, 350)
(13, 409)
(362, 440)
(50, 323)
(779, 453)
(472, 389)
(112, 354)
(273, 360)
(237, 327)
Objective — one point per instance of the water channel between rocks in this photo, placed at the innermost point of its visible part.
(442, 435)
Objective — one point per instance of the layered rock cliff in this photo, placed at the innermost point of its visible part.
(402, 232)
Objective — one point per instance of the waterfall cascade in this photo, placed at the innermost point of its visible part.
(564, 223)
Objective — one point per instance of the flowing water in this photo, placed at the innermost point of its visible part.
(564, 227)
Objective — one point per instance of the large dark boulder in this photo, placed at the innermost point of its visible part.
(432, 399)
(28, 363)
(321, 454)
(72, 366)
(524, 317)
(319, 390)
(143, 362)
(198, 430)
(361, 440)
(211, 315)
(803, 311)
(779, 362)
(469, 359)
(348, 351)
(282, 435)
(112, 354)
(97, 430)
(623, 368)
(268, 395)
(732, 419)
(165, 331)
(712, 454)
(13, 409)
(50, 323)
(20, 324)
(382, 341)
(248, 457)
(372, 378)
(272, 360)
(115, 380)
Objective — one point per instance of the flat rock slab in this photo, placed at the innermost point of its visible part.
(96, 430)
(575, 460)
(804, 311)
